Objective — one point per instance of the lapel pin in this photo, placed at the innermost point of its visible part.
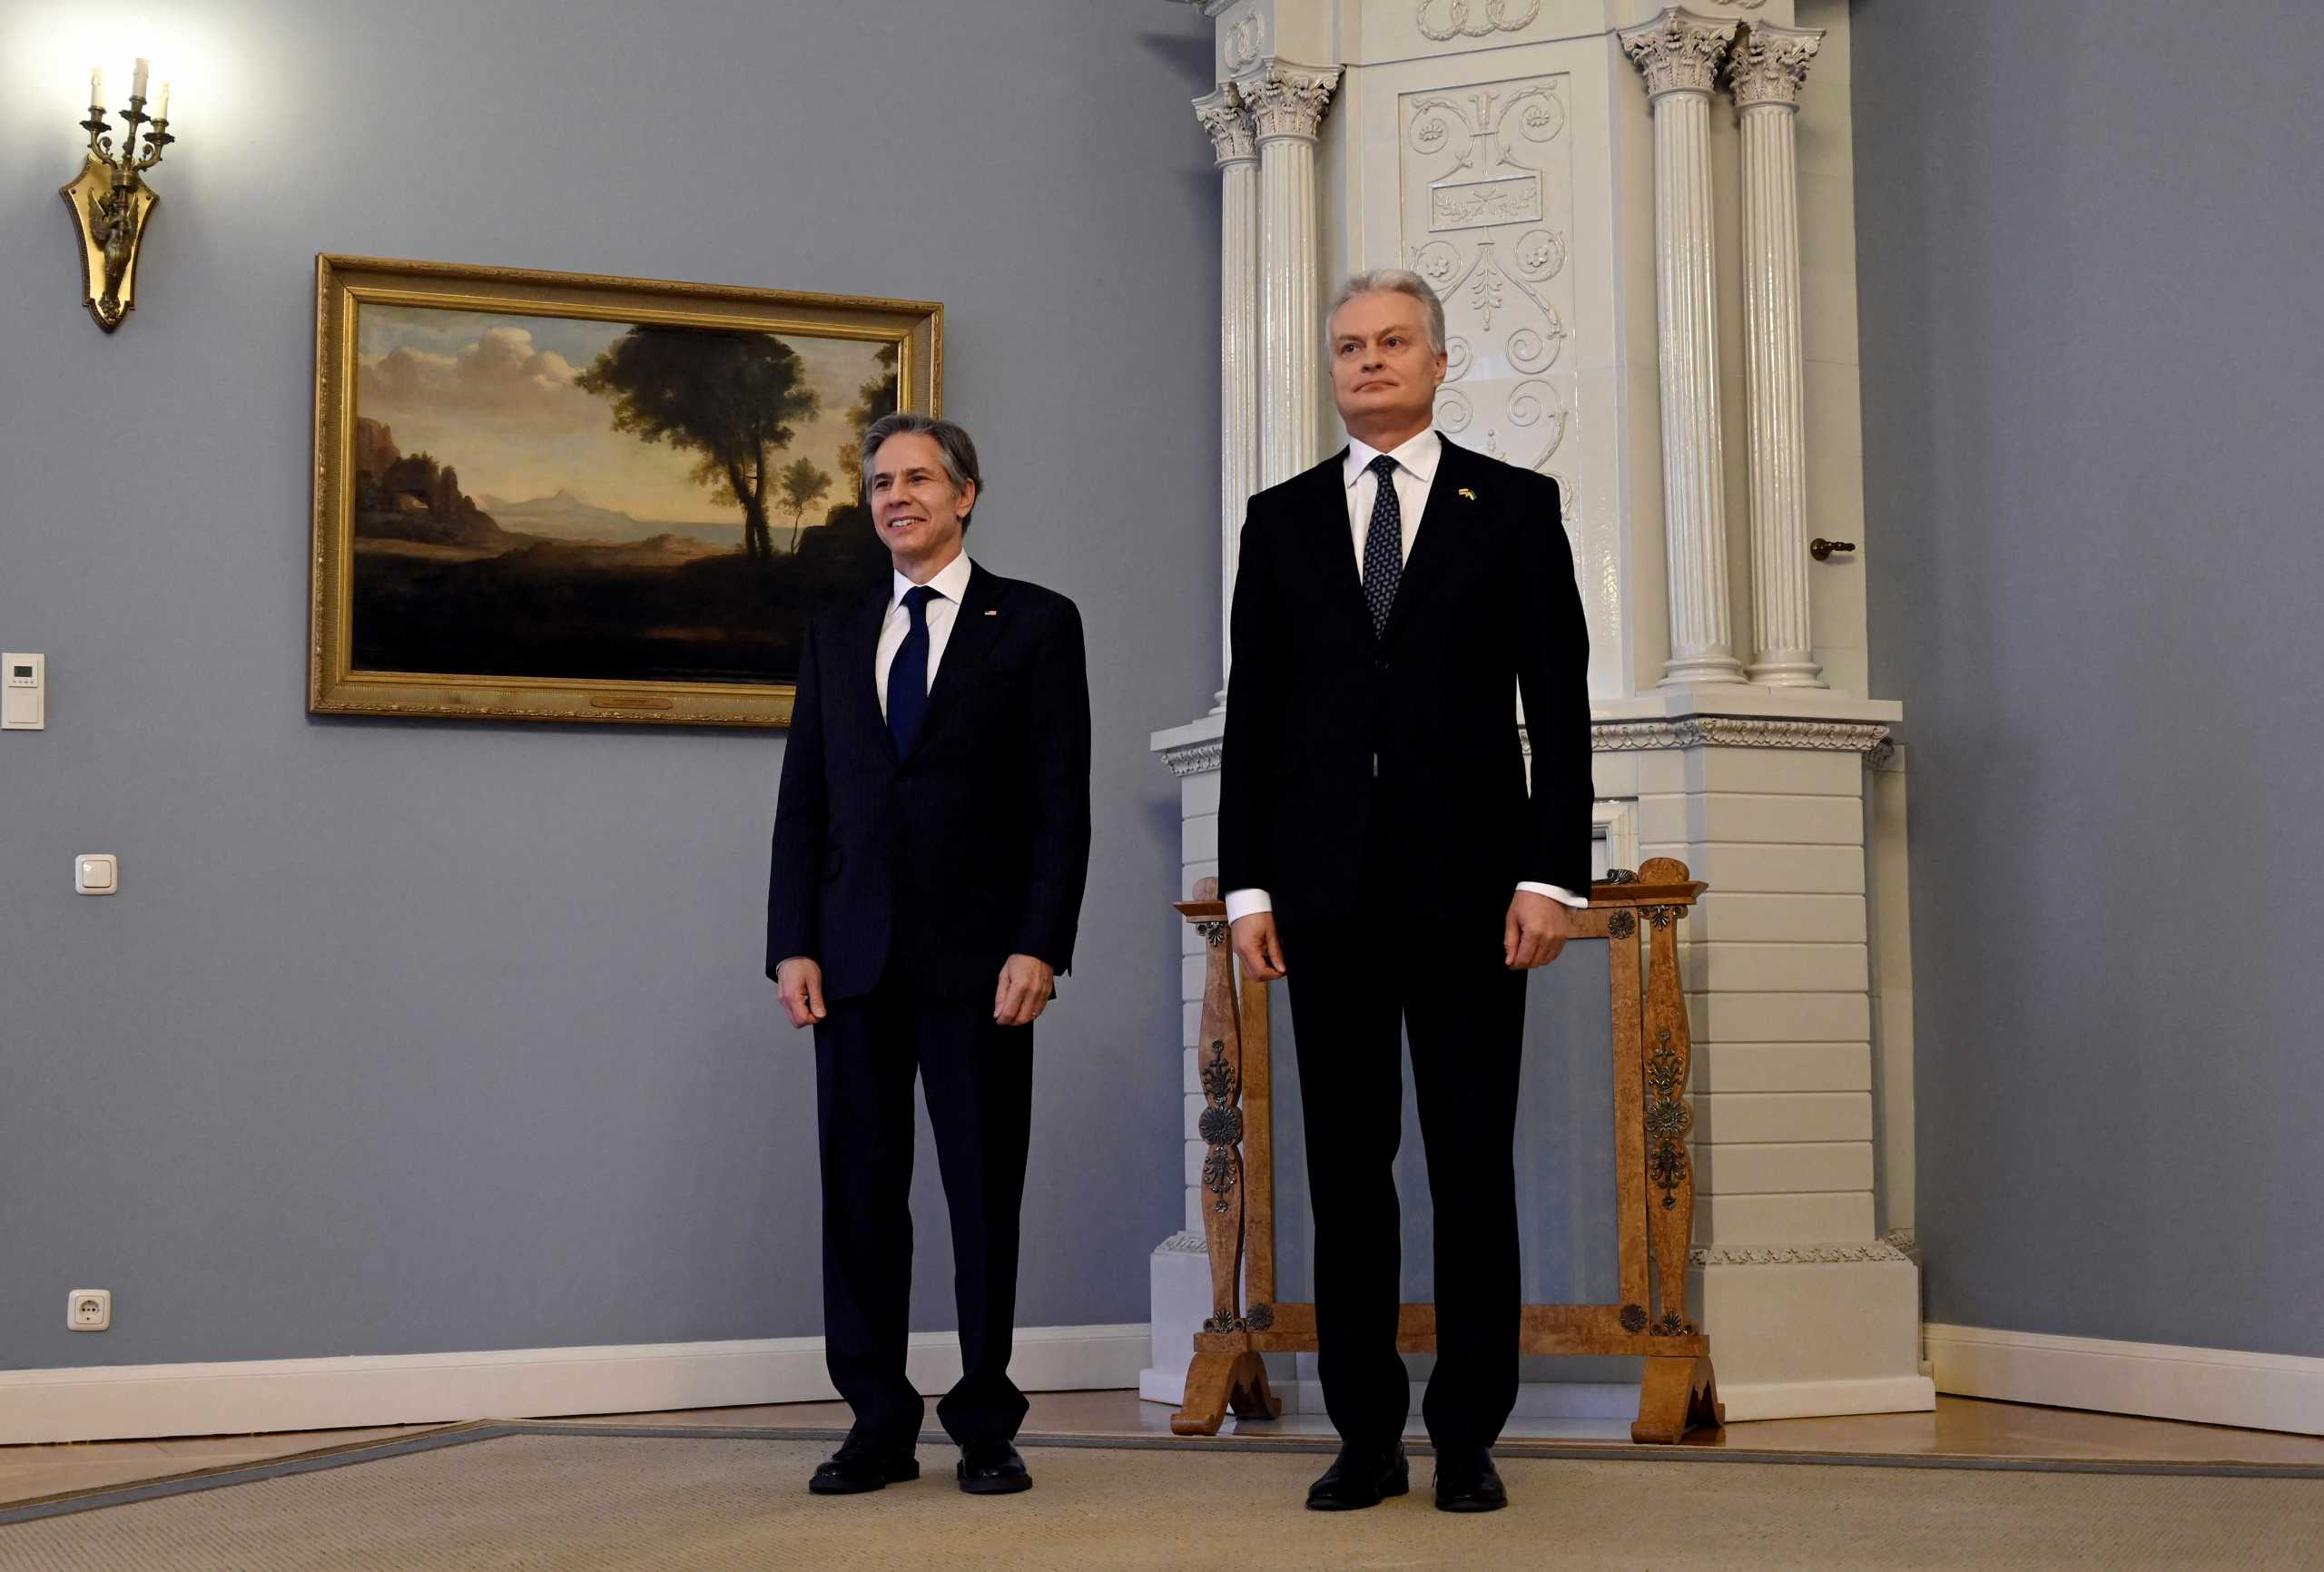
(1467, 493)
(992, 613)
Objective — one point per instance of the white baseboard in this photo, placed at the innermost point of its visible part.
(1810, 1399)
(2211, 1386)
(97, 1403)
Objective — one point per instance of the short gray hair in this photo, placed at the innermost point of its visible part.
(953, 447)
(1400, 281)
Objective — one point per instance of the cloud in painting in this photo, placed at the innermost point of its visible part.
(502, 379)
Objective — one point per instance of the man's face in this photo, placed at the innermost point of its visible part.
(919, 511)
(1382, 371)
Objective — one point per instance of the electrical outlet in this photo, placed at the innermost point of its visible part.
(89, 1309)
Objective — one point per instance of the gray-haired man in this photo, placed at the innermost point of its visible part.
(1376, 802)
(931, 844)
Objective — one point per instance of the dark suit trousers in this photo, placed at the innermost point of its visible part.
(980, 1089)
(1357, 986)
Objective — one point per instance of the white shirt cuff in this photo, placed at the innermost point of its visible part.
(1243, 903)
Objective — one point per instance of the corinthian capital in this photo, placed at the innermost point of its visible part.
(1287, 99)
(1228, 119)
(1770, 63)
(1679, 51)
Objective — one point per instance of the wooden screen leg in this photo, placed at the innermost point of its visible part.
(1253, 1398)
(1210, 1380)
(1677, 1395)
(1217, 1382)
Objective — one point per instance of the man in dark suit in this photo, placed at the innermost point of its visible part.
(1379, 846)
(931, 844)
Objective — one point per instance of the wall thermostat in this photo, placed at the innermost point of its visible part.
(23, 693)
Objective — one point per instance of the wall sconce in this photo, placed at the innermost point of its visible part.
(111, 200)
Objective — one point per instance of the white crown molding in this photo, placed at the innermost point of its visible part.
(142, 1403)
(1793, 1254)
(1737, 731)
(1195, 758)
(1202, 755)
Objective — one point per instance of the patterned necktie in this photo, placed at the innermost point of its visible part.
(1383, 546)
(908, 675)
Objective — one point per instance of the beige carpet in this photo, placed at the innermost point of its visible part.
(577, 1501)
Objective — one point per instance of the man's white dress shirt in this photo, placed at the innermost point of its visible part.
(950, 584)
(1415, 471)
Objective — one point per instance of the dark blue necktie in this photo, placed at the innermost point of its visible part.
(908, 677)
(1383, 546)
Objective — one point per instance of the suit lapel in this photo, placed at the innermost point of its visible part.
(1326, 512)
(973, 632)
(1440, 533)
(858, 659)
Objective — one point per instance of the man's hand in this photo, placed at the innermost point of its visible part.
(800, 982)
(1261, 948)
(1026, 983)
(1534, 932)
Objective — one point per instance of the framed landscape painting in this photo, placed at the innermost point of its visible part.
(561, 498)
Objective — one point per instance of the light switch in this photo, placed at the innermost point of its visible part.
(23, 693)
(96, 873)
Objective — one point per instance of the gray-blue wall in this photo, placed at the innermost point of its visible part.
(2092, 286)
(410, 1036)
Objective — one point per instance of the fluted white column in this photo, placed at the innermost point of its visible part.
(1228, 119)
(1679, 53)
(1765, 74)
(1287, 103)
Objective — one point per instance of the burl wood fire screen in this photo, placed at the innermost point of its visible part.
(1638, 915)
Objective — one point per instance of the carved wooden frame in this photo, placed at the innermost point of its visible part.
(1638, 915)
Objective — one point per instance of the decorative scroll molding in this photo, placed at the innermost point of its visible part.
(1737, 732)
(1287, 99)
(1486, 219)
(1195, 758)
(1458, 20)
(1241, 45)
(1769, 64)
(1793, 1254)
(1679, 51)
(1228, 119)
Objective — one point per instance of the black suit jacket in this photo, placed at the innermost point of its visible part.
(972, 848)
(1486, 609)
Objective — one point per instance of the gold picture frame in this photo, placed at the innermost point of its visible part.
(434, 595)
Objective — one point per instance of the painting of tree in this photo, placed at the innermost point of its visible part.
(731, 397)
(803, 484)
(554, 496)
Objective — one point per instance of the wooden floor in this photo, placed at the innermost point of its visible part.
(1959, 1427)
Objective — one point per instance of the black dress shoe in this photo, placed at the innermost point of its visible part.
(992, 1468)
(1466, 1481)
(861, 1465)
(1360, 1477)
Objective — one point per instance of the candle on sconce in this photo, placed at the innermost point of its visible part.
(137, 81)
(164, 112)
(96, 86)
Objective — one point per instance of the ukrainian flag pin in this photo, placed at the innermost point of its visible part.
(1467, 493)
